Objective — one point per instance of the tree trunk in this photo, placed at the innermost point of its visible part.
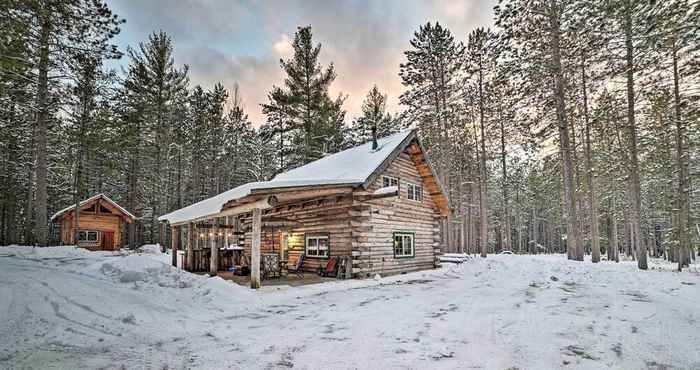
(569, 207)
(682, 204)
(592, 195)
(40, 130)
(635, 190)
(483, 211)
(614, 249)
(507, 245)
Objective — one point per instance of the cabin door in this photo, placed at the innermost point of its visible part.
(107, 240)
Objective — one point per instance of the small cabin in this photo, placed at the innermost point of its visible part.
(101, 222)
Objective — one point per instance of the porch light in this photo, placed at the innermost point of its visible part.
(201, 236)
(211, 234)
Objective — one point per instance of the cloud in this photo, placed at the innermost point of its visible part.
(283, 46)
(242, 41)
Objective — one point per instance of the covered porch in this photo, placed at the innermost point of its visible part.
(261, 236)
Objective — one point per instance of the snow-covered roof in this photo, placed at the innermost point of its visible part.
(349, 167)
(92, 199)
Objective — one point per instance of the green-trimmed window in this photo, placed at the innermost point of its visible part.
(317, 245)
(404, 245)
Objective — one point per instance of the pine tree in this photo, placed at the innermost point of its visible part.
(374, 114)
(309, 117)
(57, 33)
(536, 32)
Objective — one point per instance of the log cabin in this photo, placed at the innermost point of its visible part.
(100, 224)
(380, 205)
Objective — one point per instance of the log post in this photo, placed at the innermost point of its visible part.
(214, 260)
(174, 231)
(190, 247)
(226, 232)
(255, 250)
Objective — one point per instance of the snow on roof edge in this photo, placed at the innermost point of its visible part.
(88, 200)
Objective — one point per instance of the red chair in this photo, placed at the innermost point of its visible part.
(331, 269)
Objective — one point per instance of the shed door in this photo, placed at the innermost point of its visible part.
(108, 240)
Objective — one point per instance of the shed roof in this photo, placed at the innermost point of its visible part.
(93, 199)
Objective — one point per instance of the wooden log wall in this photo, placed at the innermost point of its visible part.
(322, 215)
(91, 221)
(373, 249)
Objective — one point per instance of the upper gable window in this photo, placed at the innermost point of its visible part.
(415, 192)
(389, 181)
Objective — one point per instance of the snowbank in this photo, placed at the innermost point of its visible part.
(70, 308)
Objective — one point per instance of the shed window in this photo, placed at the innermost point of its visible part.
(404, 245)
(317, 245)
(389, 181)
(87, 236)
(415, 192)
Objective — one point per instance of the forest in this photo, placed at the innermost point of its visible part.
(570, 126)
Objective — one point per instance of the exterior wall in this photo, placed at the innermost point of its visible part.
(89, 221)
(324, 215)
(373, 251)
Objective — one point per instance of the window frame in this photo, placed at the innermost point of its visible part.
(317, 236)
(86, 239)
(390, 178)
(411, 189)
(404, 234)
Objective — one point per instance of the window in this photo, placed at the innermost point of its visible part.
(404, 245)
(92, 236)
(317, 245)
(389, 181)
(415, 192)
(87, 236)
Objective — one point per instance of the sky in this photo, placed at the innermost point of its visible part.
(241, 42)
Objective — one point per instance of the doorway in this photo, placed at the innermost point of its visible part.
(107, 240)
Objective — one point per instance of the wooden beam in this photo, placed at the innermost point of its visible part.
(255, 250)
(189, 266)
(175, 237)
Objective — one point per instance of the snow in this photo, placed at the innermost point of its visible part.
(67, 308)
(387, 190)
(71, 207)
(354, 164)
(349, 167)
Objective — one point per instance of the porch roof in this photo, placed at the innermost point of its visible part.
(351, 167)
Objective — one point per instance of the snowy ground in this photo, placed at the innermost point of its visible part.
(71, 309)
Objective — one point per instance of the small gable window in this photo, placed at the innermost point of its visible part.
(415, 192)
(389, 181)
(404, 245)
(317, 245)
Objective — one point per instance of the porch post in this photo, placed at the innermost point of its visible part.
(190, 247)
(175, 236)
(226, 232)
(255, 250)
(214, 260)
